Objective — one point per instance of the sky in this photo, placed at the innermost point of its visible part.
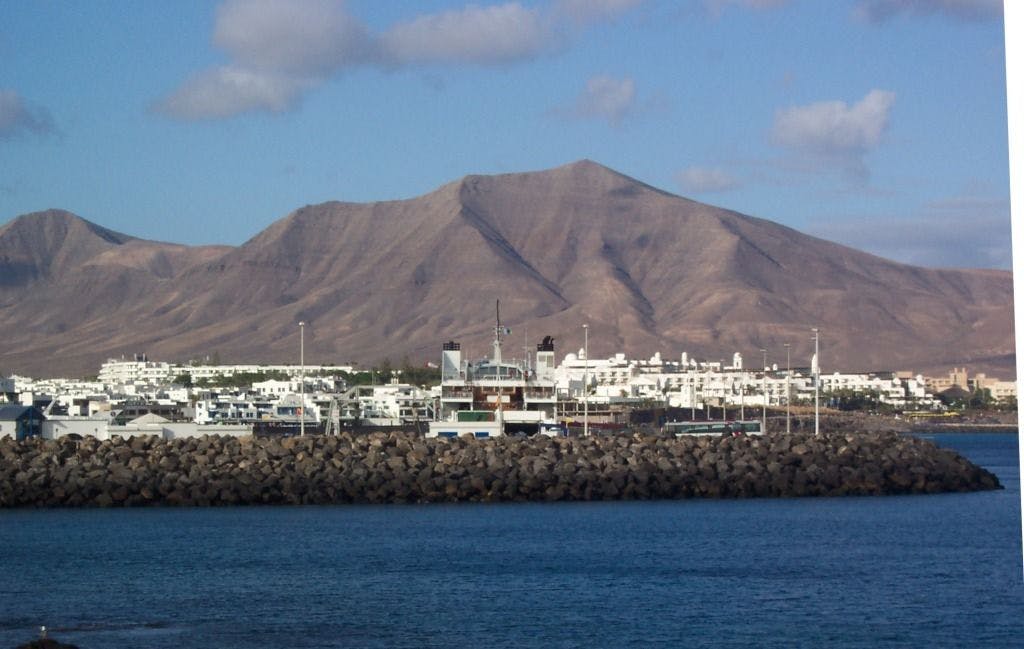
(880, 124)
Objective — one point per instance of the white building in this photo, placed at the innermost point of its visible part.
(393, 404)
(248, 409)
(693, 384)
(139, 370)
(273, 387)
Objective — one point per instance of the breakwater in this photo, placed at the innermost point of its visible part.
(403, 468)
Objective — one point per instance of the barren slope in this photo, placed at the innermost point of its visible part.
(647, 270)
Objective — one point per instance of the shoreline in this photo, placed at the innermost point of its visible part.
(833, 421)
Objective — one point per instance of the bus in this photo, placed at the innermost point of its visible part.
(747, 427)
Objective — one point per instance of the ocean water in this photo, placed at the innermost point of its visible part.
(905, 571)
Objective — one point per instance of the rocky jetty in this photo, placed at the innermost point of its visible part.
(404, 468)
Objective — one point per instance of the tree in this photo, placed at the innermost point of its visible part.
(246, 379)
(383, 370)
(958, 398)
(981, 398)
(848, 399)
(1008, 404)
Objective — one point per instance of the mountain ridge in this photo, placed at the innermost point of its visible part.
(648, 270)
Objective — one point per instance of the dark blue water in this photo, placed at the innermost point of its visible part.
(938, 571)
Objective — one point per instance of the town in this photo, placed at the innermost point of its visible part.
(139, 396)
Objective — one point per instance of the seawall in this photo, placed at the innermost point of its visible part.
(404, 468)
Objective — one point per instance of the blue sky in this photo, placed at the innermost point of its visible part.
(876, 123)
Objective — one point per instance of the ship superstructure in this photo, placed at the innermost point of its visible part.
(493, 396)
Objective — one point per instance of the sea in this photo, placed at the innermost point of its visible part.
(894, 571)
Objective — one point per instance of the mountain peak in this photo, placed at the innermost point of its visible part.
(573, 244)
(39, 244)
(582, 176)
(55, 225)
(587, 168)
(586, 164)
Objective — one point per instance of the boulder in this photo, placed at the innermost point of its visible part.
(397, 467)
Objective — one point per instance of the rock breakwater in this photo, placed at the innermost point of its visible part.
(404, 468)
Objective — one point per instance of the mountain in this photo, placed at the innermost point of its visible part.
(70, 290)
(647, 270)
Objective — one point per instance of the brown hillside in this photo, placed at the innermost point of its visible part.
(647, 270)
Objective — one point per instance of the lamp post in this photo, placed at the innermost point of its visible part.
(693, 398)
(743, 388)
(786, 345)
(764, 391)
(302, 378)
(721, 368)
(586, 380)
(704, 391)
(816, 371)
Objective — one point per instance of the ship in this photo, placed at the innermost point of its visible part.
(494, 397)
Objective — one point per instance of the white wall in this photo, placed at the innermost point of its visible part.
(55, 428)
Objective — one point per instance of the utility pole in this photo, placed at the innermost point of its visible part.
(743, 388)
(302, 378)
(721, 368)
(788, 370)
(586, 380)
(704, 391)
(693, 398)
(764, 391)
(816, 371)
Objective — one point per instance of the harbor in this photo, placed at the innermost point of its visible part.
(497, 395)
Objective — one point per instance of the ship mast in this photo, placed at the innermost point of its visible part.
(497, 361)
(497, 335)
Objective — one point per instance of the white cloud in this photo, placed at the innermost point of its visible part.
(834, 130)
(961, 232)
(877, 11)
(606, 98)
(229, 91)
(699, 180)
(309, 38)
(484, 35)
(280, 49)
(834, 126)
(18, 117)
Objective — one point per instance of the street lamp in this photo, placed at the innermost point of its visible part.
(693, 398)
(786, 345)
(721, 368)
(764, 391)
(704, 390)
(586, 380)
(302, 378)
(816, 371)
(743, 388)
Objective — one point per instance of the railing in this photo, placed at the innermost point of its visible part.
(539, 393)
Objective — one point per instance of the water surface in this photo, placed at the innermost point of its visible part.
(902, 571)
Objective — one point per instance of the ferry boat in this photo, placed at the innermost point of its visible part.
(494, 397)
